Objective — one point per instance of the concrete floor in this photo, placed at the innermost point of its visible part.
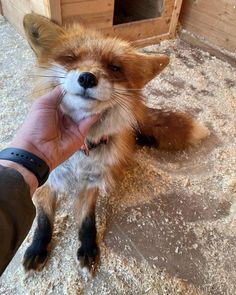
(169, 227)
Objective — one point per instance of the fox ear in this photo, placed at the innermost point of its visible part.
(41, 33)
(148, 66)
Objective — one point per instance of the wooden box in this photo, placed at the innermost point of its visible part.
(142, 21)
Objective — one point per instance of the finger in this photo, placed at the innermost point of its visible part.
(85, 124)
(79, 129)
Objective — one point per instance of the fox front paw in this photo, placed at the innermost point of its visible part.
(35, 258)
(88, 258)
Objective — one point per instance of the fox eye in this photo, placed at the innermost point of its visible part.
(114, 68)
(69, 58)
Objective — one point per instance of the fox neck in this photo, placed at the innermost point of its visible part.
(113, 120)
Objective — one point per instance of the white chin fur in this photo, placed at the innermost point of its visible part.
(79, 103)
(77, 107)
(101, 92)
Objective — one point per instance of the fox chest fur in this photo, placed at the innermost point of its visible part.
(95, 169)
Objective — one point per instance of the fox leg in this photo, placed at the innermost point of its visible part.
(88, 252)
(37, 253)
(169, 130)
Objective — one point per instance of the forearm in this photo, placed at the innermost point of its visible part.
(16, 212)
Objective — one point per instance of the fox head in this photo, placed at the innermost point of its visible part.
(95, 72)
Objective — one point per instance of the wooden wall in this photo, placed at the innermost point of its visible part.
(215, 20)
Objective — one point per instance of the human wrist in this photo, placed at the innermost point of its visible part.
(31, 148)
(28, 176)
(29, 160)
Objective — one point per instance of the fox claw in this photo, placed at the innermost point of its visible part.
(85, 149)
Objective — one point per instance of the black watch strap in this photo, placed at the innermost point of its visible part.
(33, 163)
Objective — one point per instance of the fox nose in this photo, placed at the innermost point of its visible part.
(87, 80)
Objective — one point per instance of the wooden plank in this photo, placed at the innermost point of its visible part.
(140, 30)
(28, 5)
(23, 5)
(13, 14)
(151, 40)
(37, 6)
(197, 42)
(216, 22)
(1, 12)
(54, 10)
(175, 17)
(14, 11)
(168, 7)
(92, 13)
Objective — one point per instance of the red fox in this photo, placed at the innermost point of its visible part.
(103, 75)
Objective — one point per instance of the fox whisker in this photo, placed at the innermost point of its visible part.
(124, 94)
(51, 69)
(127, 89)
(124, 105)
(46, 76)
(44, 89)
(114, 80)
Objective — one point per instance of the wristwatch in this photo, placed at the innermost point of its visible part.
(31, 162)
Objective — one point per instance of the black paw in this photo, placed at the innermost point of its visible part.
(35, 258)
(88, 258)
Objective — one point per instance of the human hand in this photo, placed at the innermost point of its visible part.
(49, 134)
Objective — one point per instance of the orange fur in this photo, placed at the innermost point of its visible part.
(90, 51)
(124, 71)
(169, 130)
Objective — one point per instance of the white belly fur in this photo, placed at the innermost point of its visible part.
(78, 172)
(81, 171)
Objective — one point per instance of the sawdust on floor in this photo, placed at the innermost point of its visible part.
(169, 227)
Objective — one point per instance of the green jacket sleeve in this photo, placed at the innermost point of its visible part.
(16, 213)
